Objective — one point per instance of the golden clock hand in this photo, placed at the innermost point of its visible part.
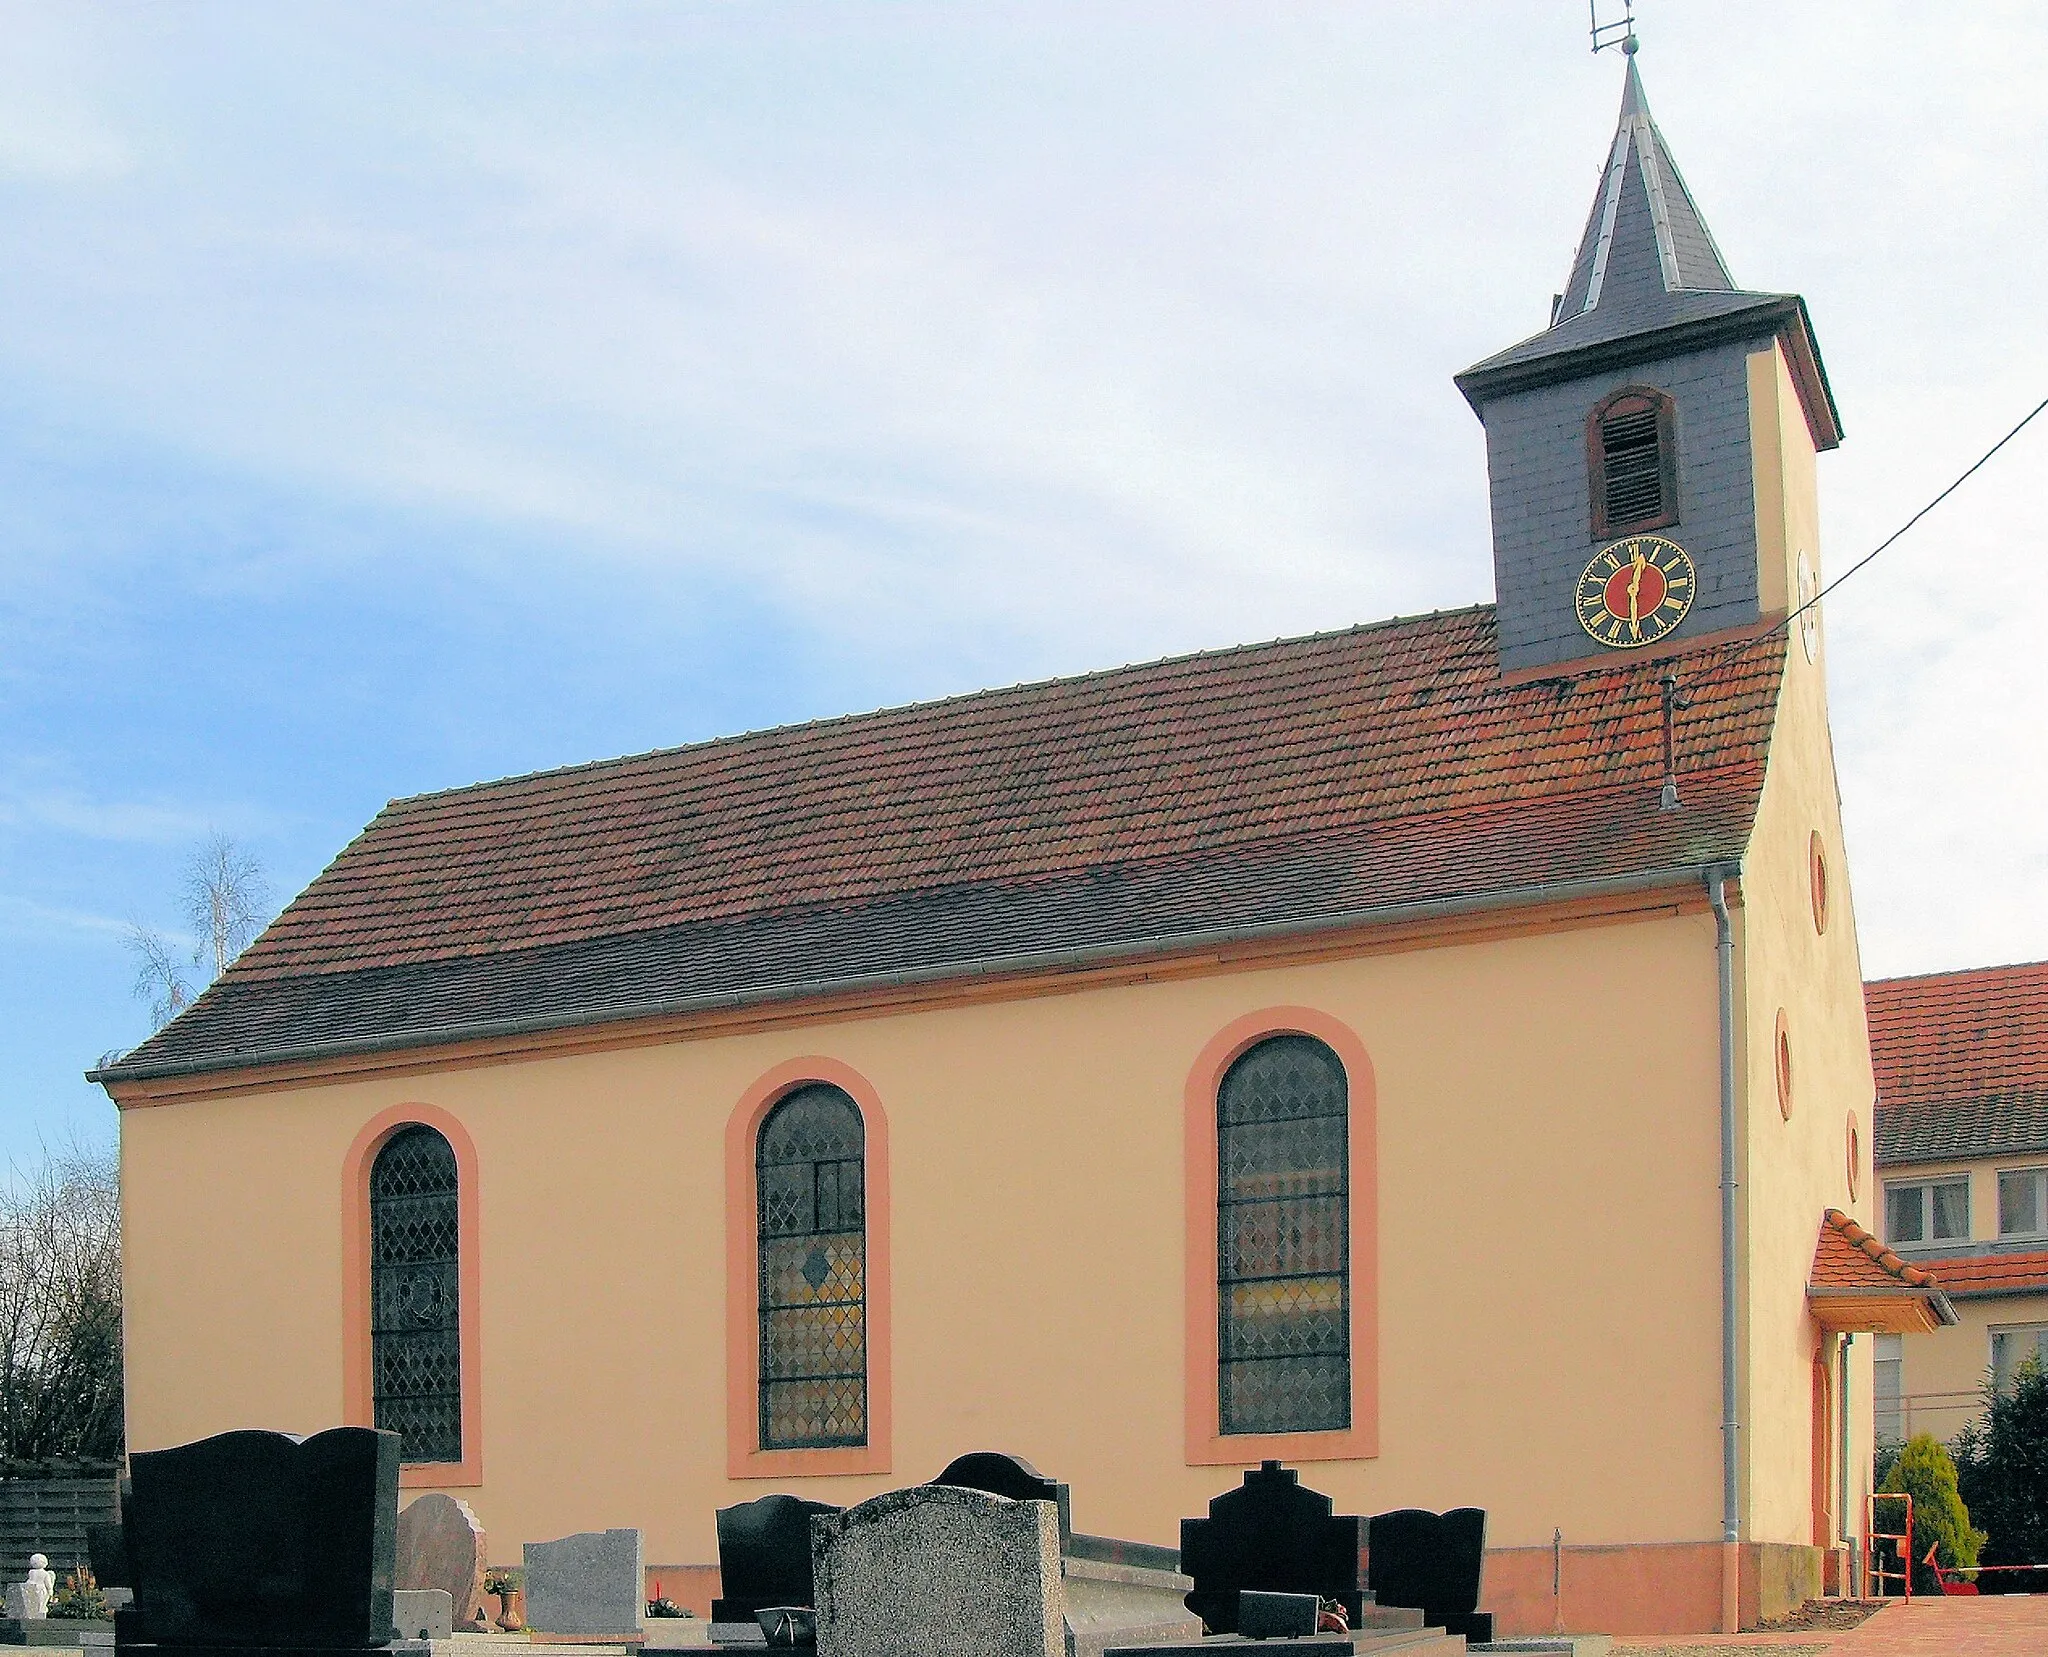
(1635, 588)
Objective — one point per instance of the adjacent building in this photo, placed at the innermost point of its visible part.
(1962, 1148)
(1431, 1053)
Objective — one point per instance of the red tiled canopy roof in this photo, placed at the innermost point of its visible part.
(1961, 1061)
(1848, 1257)
(1858, 1283)
(1273, 785)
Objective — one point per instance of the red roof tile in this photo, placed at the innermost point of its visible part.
(1990, 1274)
(1173, 758)
(1962, 1062)
(1275, 786)
(1848, 1257)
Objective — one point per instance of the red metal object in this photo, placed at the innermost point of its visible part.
(1875, 1576)
(1952, 1584)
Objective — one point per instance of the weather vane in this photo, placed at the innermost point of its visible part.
(1621, 32)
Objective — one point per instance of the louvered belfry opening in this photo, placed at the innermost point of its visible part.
(1283, 1257)
(811, 1173)
(415, 1295)
(1634, 463)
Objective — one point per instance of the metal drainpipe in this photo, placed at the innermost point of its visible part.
(1731, 1426)
(1842, 1456)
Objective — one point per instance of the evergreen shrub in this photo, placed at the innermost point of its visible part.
(1926, 1472)
(2002, 1463)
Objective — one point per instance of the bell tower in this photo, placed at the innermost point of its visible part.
(1650, 453)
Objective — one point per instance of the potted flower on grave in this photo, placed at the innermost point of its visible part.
(506, 1582)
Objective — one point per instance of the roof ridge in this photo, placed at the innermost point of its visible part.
(1954, 972)
(954, 700)
(1866, 1244)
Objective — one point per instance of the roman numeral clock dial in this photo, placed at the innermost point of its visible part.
(1635, 592)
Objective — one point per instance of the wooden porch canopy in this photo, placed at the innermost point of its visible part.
(1858, 1285)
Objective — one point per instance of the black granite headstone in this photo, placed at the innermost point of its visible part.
(998, 1474)
(1431, 1563)
(255, 1539)
(764, 1556)
(1277, 1616)
(106, 1553)
(1273, 1535)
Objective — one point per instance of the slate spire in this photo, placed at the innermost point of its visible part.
(1648, 282)
(1645, 239)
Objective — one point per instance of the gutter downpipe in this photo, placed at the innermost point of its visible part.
(1731, 1424)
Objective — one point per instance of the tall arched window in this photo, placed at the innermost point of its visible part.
(1283, 1240)
(415, 1295)
(810, 1165)
(1632, 462)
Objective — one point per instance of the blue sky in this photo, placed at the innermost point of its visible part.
(393, 397)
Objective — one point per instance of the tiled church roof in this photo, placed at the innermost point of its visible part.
(1962, 1063)
(1273, 787)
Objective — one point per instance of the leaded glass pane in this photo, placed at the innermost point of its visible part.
(415, 1296)
(1283, 1240)
(810, 1168)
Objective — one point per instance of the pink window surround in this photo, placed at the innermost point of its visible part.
(357, 1395)
(744, 1457)
(1206, 1446)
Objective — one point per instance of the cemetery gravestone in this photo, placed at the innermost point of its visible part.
(1275, 1536)
(256, 1539)
(764, 1556)
(939, 1571)
(423, 1613)
(441, 1545)
(587, 1587)
(1432, 1561)
(1014, 1477)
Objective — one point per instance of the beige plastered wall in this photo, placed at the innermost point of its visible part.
(1549, 1259)
(1794, 1169)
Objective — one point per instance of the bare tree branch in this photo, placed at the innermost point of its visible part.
(225, 899)
(159, 974)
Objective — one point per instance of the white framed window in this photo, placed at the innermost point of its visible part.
(1888, 1389)
(2013, 1346)
(1928, 1211)
(2023, 1202)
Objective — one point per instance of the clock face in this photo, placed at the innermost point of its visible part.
(1809, 619)
(1635, 591)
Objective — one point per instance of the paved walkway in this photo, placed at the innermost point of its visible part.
(2002, 1625)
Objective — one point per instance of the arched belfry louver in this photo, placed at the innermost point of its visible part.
(810, 1162)
(415, 1295)
(1632, 460)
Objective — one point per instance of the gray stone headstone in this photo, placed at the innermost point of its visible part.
(423, 1613)
(587, 1584)
(441, 1545)
(939, 1571)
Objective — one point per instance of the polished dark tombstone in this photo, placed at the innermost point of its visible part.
(255, 1540)
(1272, 1535)
(764, 1556)
(997, 1474)
(1431, 1562)
(106, 1552)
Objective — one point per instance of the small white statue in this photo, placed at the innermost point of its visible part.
(29, 1599)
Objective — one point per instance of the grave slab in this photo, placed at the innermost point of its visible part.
(259, 1541)
(423, 1613)
(939, 1571)
(764, 1557)
(1273, 1535)
(441, 1545)
(586, 1588)
(1432, 1561)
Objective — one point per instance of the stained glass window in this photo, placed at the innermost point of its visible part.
(1283, 1240)
(810, 1168)
(415, 1295)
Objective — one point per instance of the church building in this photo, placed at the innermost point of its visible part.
(1430, 1053)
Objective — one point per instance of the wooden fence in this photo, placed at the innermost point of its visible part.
(45, 1508)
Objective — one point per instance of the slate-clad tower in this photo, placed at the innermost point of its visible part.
(1653, 404)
